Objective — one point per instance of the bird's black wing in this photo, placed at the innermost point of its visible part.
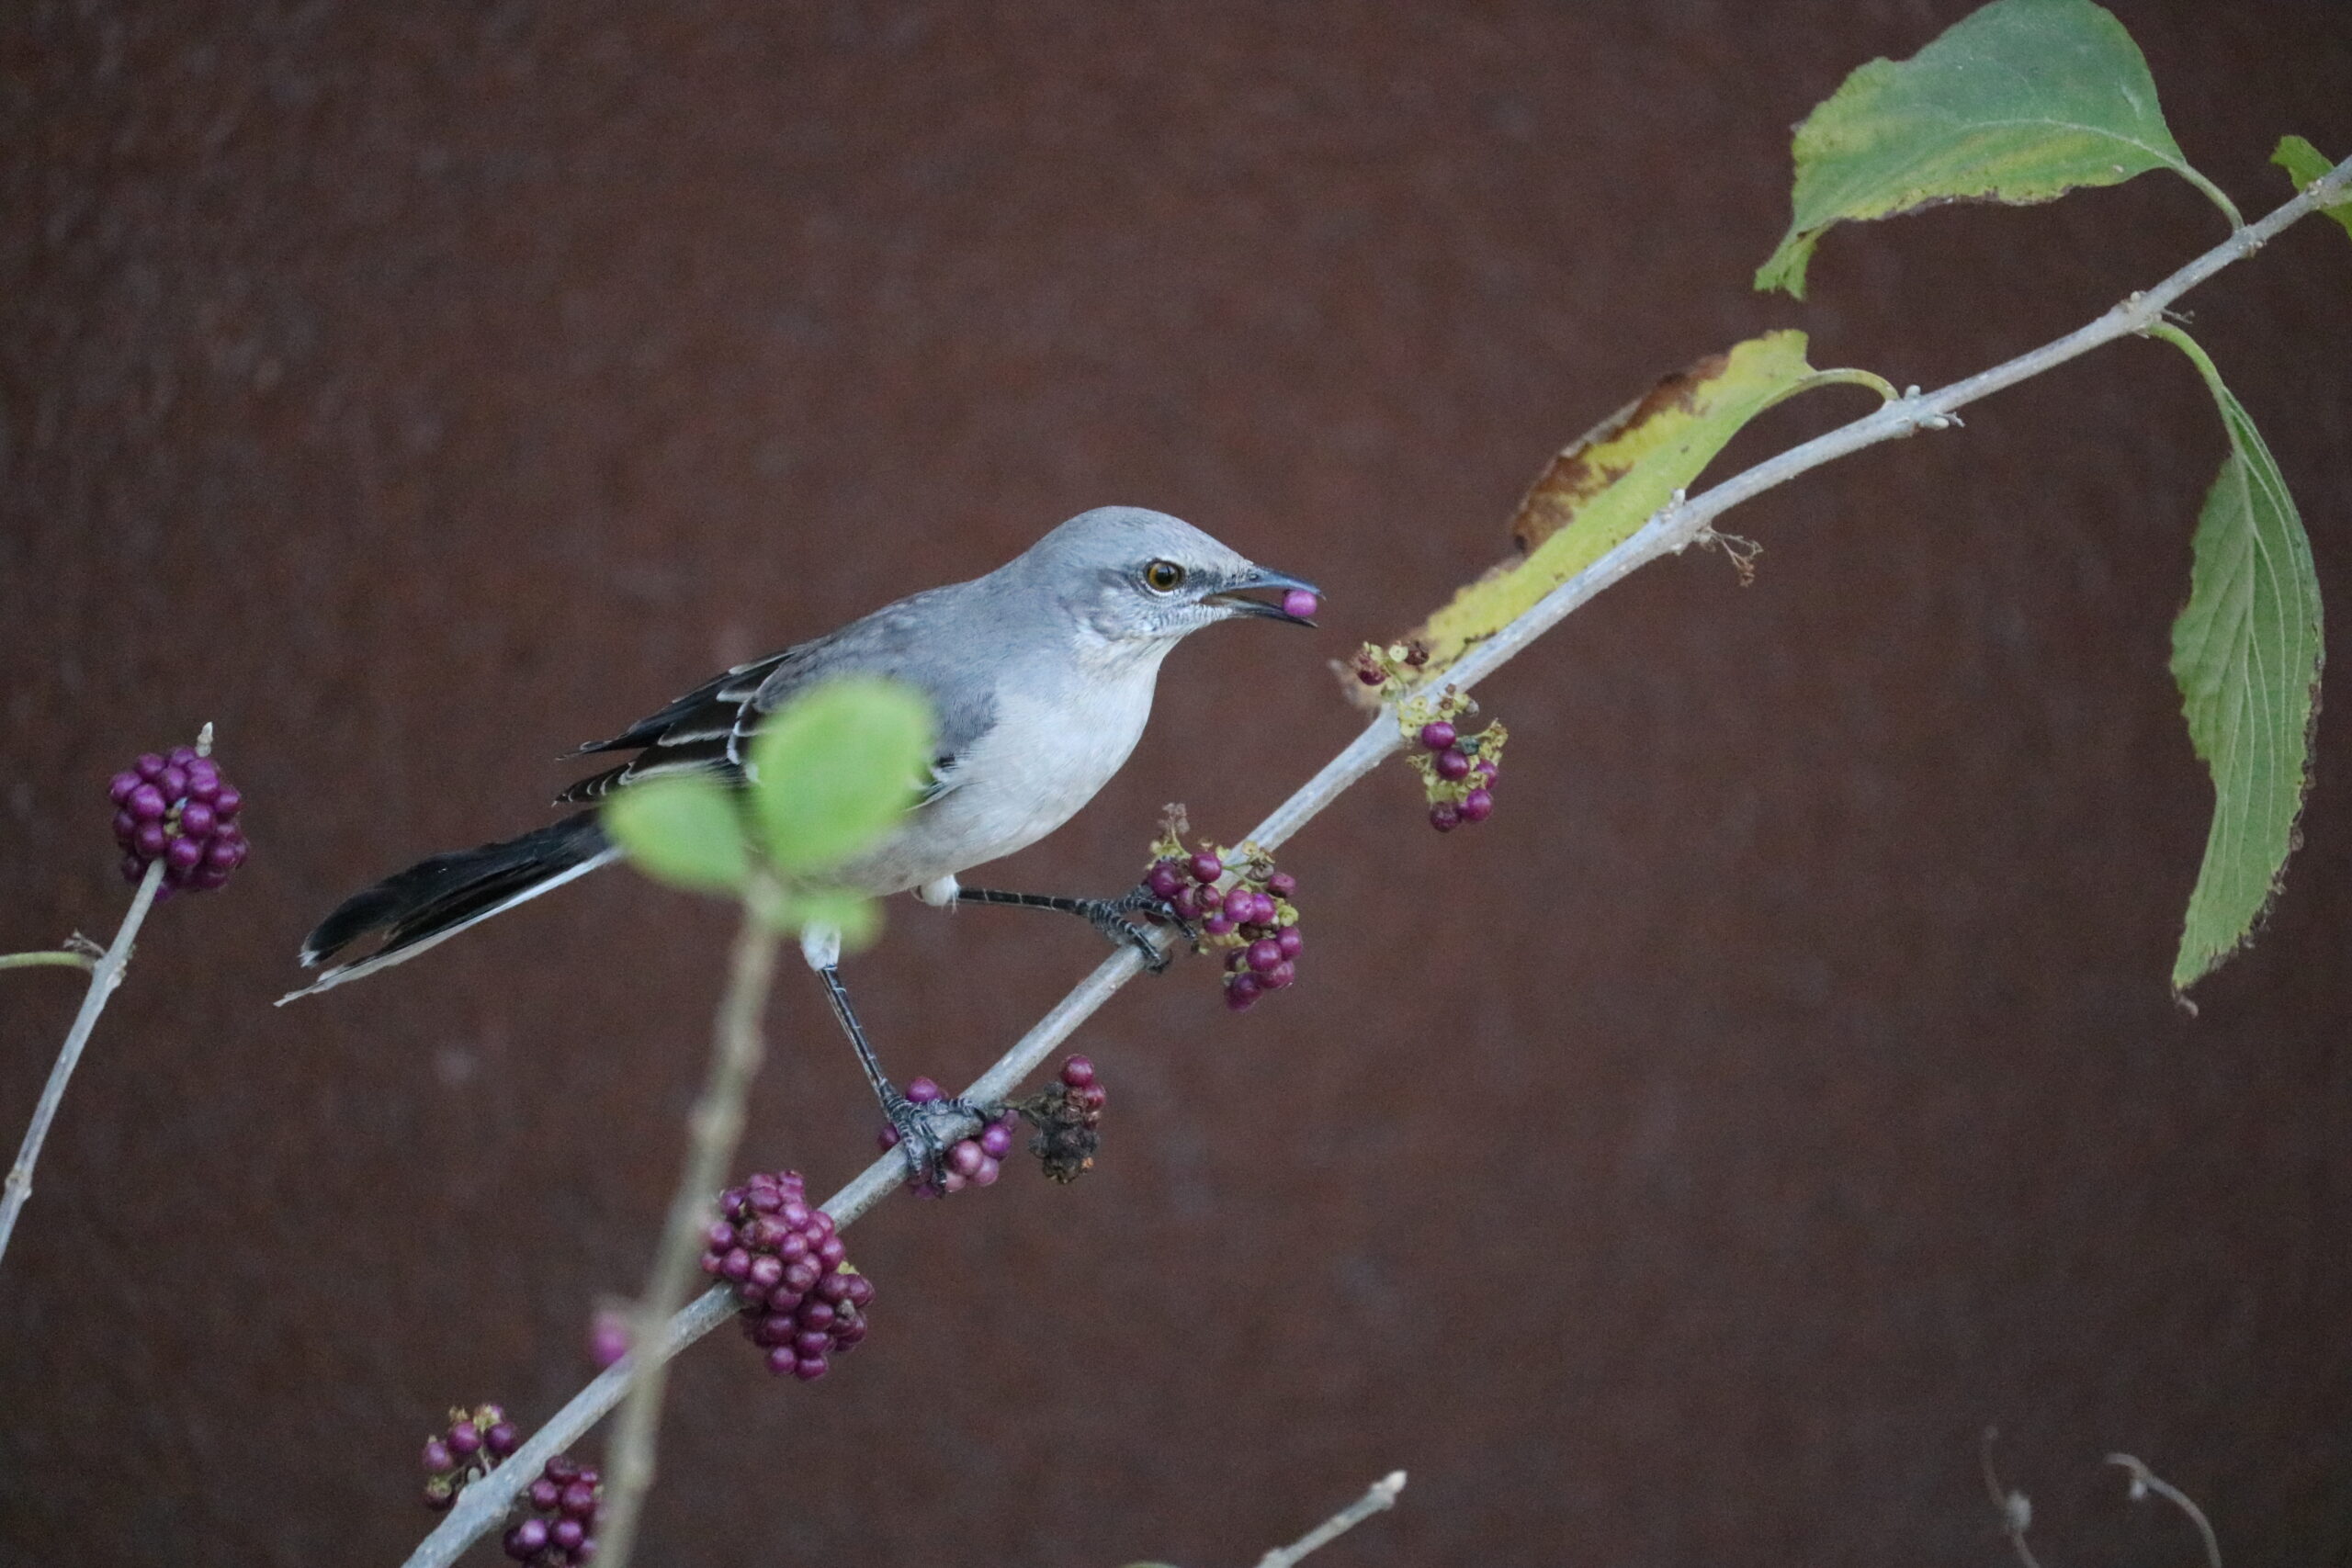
(697, 733)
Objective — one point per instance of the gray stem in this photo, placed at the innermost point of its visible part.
(106, 973)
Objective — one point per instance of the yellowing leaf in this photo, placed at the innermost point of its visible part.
(686, 831)
(2019, 102)
(1609, 482)
(2246, 655)
(836, 767)
(2304, 163)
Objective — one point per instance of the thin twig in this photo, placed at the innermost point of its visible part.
(1382, 1496)
(64, 958)
(2014, 1506)
(1673, 529)
(715, 1126)
(2144, 1480)
(106, 973)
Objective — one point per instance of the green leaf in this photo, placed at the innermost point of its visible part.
(855, 915)
(2304, 163)
(686, 831)
(2246, 655)
(1610, 481)
(2019, 102)
(835, 767)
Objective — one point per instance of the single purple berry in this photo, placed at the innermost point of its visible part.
(808, 1369)
(833, 1249)
(562, 1469)
(996, 1139)
(436, 1455)
(118, 787)
(567, 1534)
(990, 1169)
(544, 1494)
(174, 783)
(1216, 925)
(196, 819)
(526, 1540)
(1282, 884)
(1241, 991)
(1452, 766)
(1165, 880)
(1239, 904)
(1300, 603)
(923, 1092)
(1289, 940)
(147, 802)
(781, 1360)
(579, 1499)
(861, 1292)
(502, 1439)
(1280, 976)
(180, 757)
(184, 855)
(226, 804)
(1264, 954)
(965, 1158)
(150, 841)
(1262, 910)
(1077, 1071)
(126, 829)
(1207, 868)
(464, 1438)
(1485, 769)
(1478, 806)
(1371, 674)
(1445, 817)
(1438, 737)
(766, 1273)
(149, 767)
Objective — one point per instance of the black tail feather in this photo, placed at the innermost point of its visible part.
(437, 895)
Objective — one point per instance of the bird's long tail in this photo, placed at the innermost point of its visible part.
(434, 899)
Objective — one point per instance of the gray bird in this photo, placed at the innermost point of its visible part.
(1040, 676)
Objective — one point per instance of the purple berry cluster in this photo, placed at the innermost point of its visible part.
(975, 1161)
(1458, 771)
(801, 1300)
(560, 1532)
(1239, 905)
(1068, 1117)
(476, 1442)
(180, 809)
(562, 1528)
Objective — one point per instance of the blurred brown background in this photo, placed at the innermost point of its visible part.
(1684, 1168)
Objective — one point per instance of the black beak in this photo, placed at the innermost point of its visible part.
(1236, 596)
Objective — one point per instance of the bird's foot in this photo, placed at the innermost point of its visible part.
(922, 1131)
(1109, 916)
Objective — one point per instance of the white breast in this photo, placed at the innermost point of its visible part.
(1048, 755)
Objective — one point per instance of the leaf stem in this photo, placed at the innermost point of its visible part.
(2214, 193)
(1673, 529)
(106, 973)
(716, 1127)
(63, 956)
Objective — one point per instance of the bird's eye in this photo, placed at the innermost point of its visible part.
(1163, 576)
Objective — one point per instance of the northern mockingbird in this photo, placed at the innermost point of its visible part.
(1040, 676)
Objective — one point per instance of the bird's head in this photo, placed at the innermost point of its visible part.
(1139, 578)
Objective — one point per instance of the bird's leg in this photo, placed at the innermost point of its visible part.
(1108, 916)
(925, 1128)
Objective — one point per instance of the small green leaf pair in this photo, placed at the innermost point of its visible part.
(832, 772)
